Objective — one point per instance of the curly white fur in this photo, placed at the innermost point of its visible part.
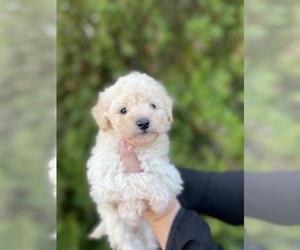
(52, 174)
(52, 178)
(122, 198)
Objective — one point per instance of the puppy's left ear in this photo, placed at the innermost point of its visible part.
(169, 105)
(99, 112)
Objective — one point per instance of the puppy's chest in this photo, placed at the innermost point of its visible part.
(148, 162)
(151, 162)
(151, 157)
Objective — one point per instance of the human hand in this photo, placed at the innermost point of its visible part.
(129, 159)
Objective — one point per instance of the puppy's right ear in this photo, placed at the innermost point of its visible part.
(99, 112)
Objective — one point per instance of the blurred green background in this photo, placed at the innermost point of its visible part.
(272, 104)
(27, 130)
(195, 48)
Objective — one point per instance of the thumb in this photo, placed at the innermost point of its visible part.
(129, 159)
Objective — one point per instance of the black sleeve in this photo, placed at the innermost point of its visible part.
(273, 196)
(190, 232)
(217, 194)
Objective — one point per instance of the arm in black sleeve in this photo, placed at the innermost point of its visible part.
(217, 194)
(273, 196)
(190, 232)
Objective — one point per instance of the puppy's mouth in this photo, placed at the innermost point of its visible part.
(143, 137)
(145, 132)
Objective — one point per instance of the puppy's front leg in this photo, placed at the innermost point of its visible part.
(148, 188)
(160, 200)
(159, 194)
(131, 212)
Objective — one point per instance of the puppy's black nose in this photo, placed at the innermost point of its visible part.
(143, 123)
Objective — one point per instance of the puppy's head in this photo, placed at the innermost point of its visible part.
(136, 108)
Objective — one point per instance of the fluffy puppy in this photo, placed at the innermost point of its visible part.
(136, 108)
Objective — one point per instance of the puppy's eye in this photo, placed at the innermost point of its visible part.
(152, 106)
(123, 111)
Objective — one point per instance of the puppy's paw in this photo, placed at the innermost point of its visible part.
(159, 203)
(131, 219)
(132, 213)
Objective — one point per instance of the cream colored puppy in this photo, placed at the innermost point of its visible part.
(136, 108)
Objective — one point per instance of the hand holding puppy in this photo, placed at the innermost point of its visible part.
(129, 158)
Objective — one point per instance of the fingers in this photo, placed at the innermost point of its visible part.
(129, 159)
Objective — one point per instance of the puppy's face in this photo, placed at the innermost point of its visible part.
(136, 108)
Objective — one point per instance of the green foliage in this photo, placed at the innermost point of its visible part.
(271, 84)
(195, 48)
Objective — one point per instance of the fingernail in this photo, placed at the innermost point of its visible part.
(123, 143)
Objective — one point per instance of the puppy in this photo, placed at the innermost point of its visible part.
(137, 109)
